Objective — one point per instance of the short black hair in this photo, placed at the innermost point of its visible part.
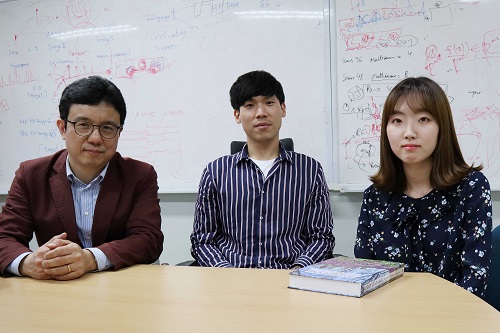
(92, 91)
(256, 83)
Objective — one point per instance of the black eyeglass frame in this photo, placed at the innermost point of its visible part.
(118, 128)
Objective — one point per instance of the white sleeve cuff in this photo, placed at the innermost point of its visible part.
(103, 262)
(13, 267)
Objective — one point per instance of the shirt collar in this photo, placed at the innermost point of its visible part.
(283, 156)
(72, 177)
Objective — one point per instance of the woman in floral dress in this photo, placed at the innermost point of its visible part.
(427, 207)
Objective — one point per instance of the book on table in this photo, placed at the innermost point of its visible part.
(345, 276)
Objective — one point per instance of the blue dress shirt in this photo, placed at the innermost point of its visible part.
(84, 199)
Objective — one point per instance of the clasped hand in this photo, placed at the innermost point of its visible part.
(58, 259)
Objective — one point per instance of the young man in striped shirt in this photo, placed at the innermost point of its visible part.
(263, 207)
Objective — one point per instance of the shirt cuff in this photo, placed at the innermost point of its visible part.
(303, 261)
(13, 267)
(103, 263)
(224, 264)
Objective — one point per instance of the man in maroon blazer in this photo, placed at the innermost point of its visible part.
(90, 208)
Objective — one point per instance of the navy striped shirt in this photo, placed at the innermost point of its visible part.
(243, 219)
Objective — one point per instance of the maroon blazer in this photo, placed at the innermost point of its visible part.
(127, 221)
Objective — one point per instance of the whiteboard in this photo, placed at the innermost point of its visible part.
(380, 42)
(174, 62)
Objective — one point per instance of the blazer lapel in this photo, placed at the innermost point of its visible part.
(111, 188)
(63, 199)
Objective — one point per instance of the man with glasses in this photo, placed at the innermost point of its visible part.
(90, 208)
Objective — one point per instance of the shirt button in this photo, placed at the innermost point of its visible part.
(262, 191)
(260, 262)
(86, 213)
(261, 217)
(260, 243)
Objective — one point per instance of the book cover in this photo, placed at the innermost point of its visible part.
(345, 276)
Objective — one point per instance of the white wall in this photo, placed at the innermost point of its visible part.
(177, 214)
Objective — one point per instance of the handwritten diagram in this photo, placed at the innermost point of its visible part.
(381, 42)
(174, 61)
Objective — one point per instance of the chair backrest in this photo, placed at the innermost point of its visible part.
(493, 291)
(237, 146)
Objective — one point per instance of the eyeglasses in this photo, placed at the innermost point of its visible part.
(83, 128)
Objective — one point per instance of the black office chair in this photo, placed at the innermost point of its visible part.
(493, 291)
(237, 146)
(188, 263)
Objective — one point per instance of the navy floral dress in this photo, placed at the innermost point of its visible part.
(447, 233)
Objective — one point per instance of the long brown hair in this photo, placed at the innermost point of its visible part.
(448, 164)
